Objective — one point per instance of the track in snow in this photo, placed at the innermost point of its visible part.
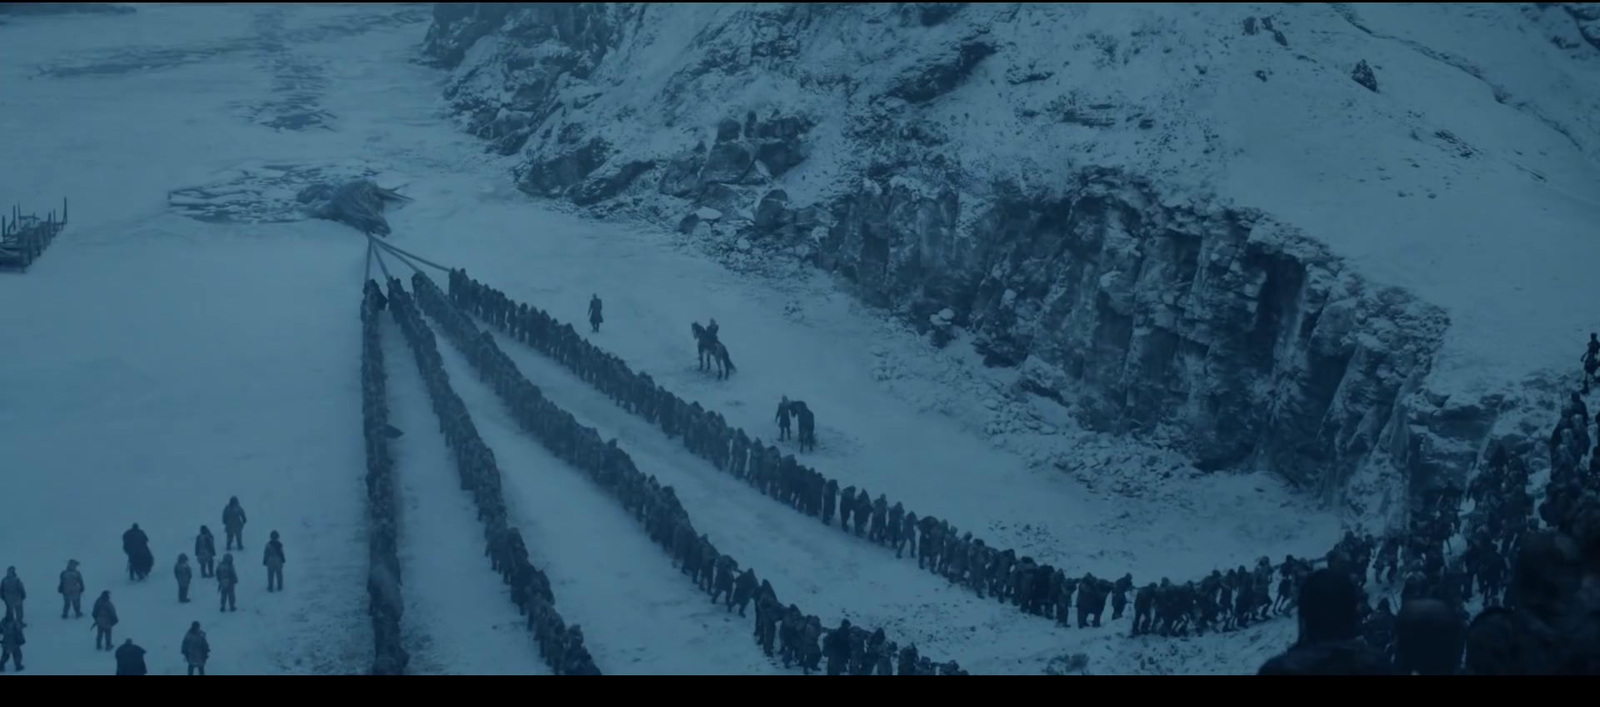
(642, 615)
(828, 572)
(459, 617)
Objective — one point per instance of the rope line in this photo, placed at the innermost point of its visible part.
(384, 266)
(397, 251)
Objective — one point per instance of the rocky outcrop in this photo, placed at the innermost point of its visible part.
(1242, 333)
(1148, 308)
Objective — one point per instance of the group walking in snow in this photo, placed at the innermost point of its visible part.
(140, 561)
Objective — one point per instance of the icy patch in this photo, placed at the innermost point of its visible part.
(264, 193)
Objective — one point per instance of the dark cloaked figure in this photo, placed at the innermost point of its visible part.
(785, 414)
(205, 552)
(184, 574)
(136, 545)
(595, 317)
(13, 594)
(104, 615)
(227, 581)
(274, 560)
(1330, 628)
(130, 659)
(1527, 639)
(808, 428)
(233, 521)
(196, 649)
(11, 642)
(71, 589)
(1429, 638)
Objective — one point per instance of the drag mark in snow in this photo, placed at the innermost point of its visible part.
(476, 465)
(383, 574)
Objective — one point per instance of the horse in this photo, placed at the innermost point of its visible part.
(712, 350)
(808, 425)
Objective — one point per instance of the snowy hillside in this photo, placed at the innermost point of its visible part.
(193, 334)
(1193, 223)
(191, 337)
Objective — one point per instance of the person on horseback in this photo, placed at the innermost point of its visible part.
(711, 350)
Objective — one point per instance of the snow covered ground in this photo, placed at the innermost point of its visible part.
(151, 365)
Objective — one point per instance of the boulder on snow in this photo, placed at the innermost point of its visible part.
(940, 76)
(728, 162)
(552, 177)
(771, 212)
(604, 186)
(358, 203)
(682, 174)
(1363, 75)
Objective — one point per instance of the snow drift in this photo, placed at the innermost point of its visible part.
(1271, 235)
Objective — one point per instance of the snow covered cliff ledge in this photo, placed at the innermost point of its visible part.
(1333, 240)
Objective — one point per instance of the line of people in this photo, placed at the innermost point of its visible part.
(783, 632)
(1225, 600)
(560, 646)
(384, 603)
(1539, 615)
(1419, 558)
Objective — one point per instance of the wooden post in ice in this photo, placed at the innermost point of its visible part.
(63, 211)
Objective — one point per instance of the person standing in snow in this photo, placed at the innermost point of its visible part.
(130, 659)
(227, 580)
(137, 547)
(105, 618)
(71, 589)
(273, 559)
(594, 312)
(205, 552)
(808, 430)
(784, 413)
(196, 649)
(11, 641)
(184, 575)
(13, 593)
(233, 524)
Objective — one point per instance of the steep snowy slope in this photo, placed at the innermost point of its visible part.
(1193, 222)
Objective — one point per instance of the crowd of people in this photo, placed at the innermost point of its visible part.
(1420, 560)
(560, 646)
(384, 603)
(1532, 572)
(195, 648)
(1224, 600)
(782, 631)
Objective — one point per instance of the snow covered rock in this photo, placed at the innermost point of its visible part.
(1113, 192)
(359, 204)
(1362, 74)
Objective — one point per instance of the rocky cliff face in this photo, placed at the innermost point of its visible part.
(999, 172)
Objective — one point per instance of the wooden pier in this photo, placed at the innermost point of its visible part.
(23, 238)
